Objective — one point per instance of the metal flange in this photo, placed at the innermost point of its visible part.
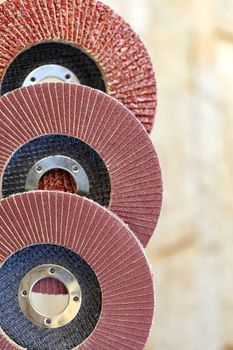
(51, 72)
(58, 162)
(60, 274)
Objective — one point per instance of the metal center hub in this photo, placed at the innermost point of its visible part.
(60, 274)
(58, 162)
(51, 73)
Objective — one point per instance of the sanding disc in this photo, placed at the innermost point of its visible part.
(86, 41)
(92, 136)
(75, 237)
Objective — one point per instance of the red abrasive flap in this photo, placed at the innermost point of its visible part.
(94, 28)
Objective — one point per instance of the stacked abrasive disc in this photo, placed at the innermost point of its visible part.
(76, 40)
(80, 181)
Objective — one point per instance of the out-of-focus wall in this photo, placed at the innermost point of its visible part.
(191, 43)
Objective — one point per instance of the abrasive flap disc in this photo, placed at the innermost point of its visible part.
(105, 152)
(78, 243)
(80, 41)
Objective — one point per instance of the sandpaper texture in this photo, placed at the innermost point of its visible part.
(49, 286)
(94, 28)
(106, 126)
(57, 180)
(107, 246)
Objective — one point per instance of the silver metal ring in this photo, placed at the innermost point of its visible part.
(60, 274)
(51, 73)
(58, 162)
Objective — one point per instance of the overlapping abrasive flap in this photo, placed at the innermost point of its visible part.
(91, 27)
(31, 226)
(99, 122)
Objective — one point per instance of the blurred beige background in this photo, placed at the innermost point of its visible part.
(191, 44)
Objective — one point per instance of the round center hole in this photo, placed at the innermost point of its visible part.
(49, 297)
(58, 180)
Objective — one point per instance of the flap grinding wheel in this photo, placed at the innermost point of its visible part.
(96, 139)
(75, 240)
(79, 40)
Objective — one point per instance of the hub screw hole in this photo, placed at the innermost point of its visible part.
(76, 299)
(39, 169)
(75, 168)
(48, 321)
(68, 76)
(33, 79)
(52, 270)
(24, 293)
